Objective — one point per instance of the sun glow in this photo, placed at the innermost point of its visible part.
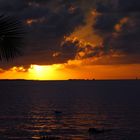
(71, 70)
(43, 72)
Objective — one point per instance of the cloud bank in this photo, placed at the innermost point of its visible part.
(50, 22)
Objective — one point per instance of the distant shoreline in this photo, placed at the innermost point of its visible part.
(72, 80)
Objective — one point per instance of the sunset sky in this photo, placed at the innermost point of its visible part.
(76, 39)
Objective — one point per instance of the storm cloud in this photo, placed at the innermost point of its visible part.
(48, 22)
(118, 25)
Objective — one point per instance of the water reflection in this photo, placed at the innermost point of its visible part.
(68, 110)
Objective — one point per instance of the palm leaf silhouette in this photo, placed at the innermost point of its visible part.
(11, 37)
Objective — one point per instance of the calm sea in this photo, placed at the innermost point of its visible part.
(67, 109)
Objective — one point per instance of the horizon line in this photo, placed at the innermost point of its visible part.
(72, 79)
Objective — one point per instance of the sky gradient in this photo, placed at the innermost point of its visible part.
(69, 39)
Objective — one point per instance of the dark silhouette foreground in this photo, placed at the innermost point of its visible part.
(11, 37)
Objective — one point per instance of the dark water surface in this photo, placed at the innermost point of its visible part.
(27, 109)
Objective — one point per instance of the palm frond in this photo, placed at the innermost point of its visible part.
(11, 37)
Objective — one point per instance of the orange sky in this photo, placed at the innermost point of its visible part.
(111, 66)
(108, 67)
(70, 71)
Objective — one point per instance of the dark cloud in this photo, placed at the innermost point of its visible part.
(129, 5)
(127, 39)
(118, 6)
(12, 7)
(118, 24)
(105, 23)
(75, 49)
(69, 49)
(47, 22)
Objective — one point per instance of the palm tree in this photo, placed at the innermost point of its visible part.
(11, 37)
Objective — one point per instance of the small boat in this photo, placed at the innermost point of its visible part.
(57, 112)
(94, 131)
(49, 138)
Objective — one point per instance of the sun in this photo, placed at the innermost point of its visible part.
(40, 72)
(45, 72)
(37, 69)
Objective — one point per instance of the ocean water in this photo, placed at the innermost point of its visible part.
(28, 110)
